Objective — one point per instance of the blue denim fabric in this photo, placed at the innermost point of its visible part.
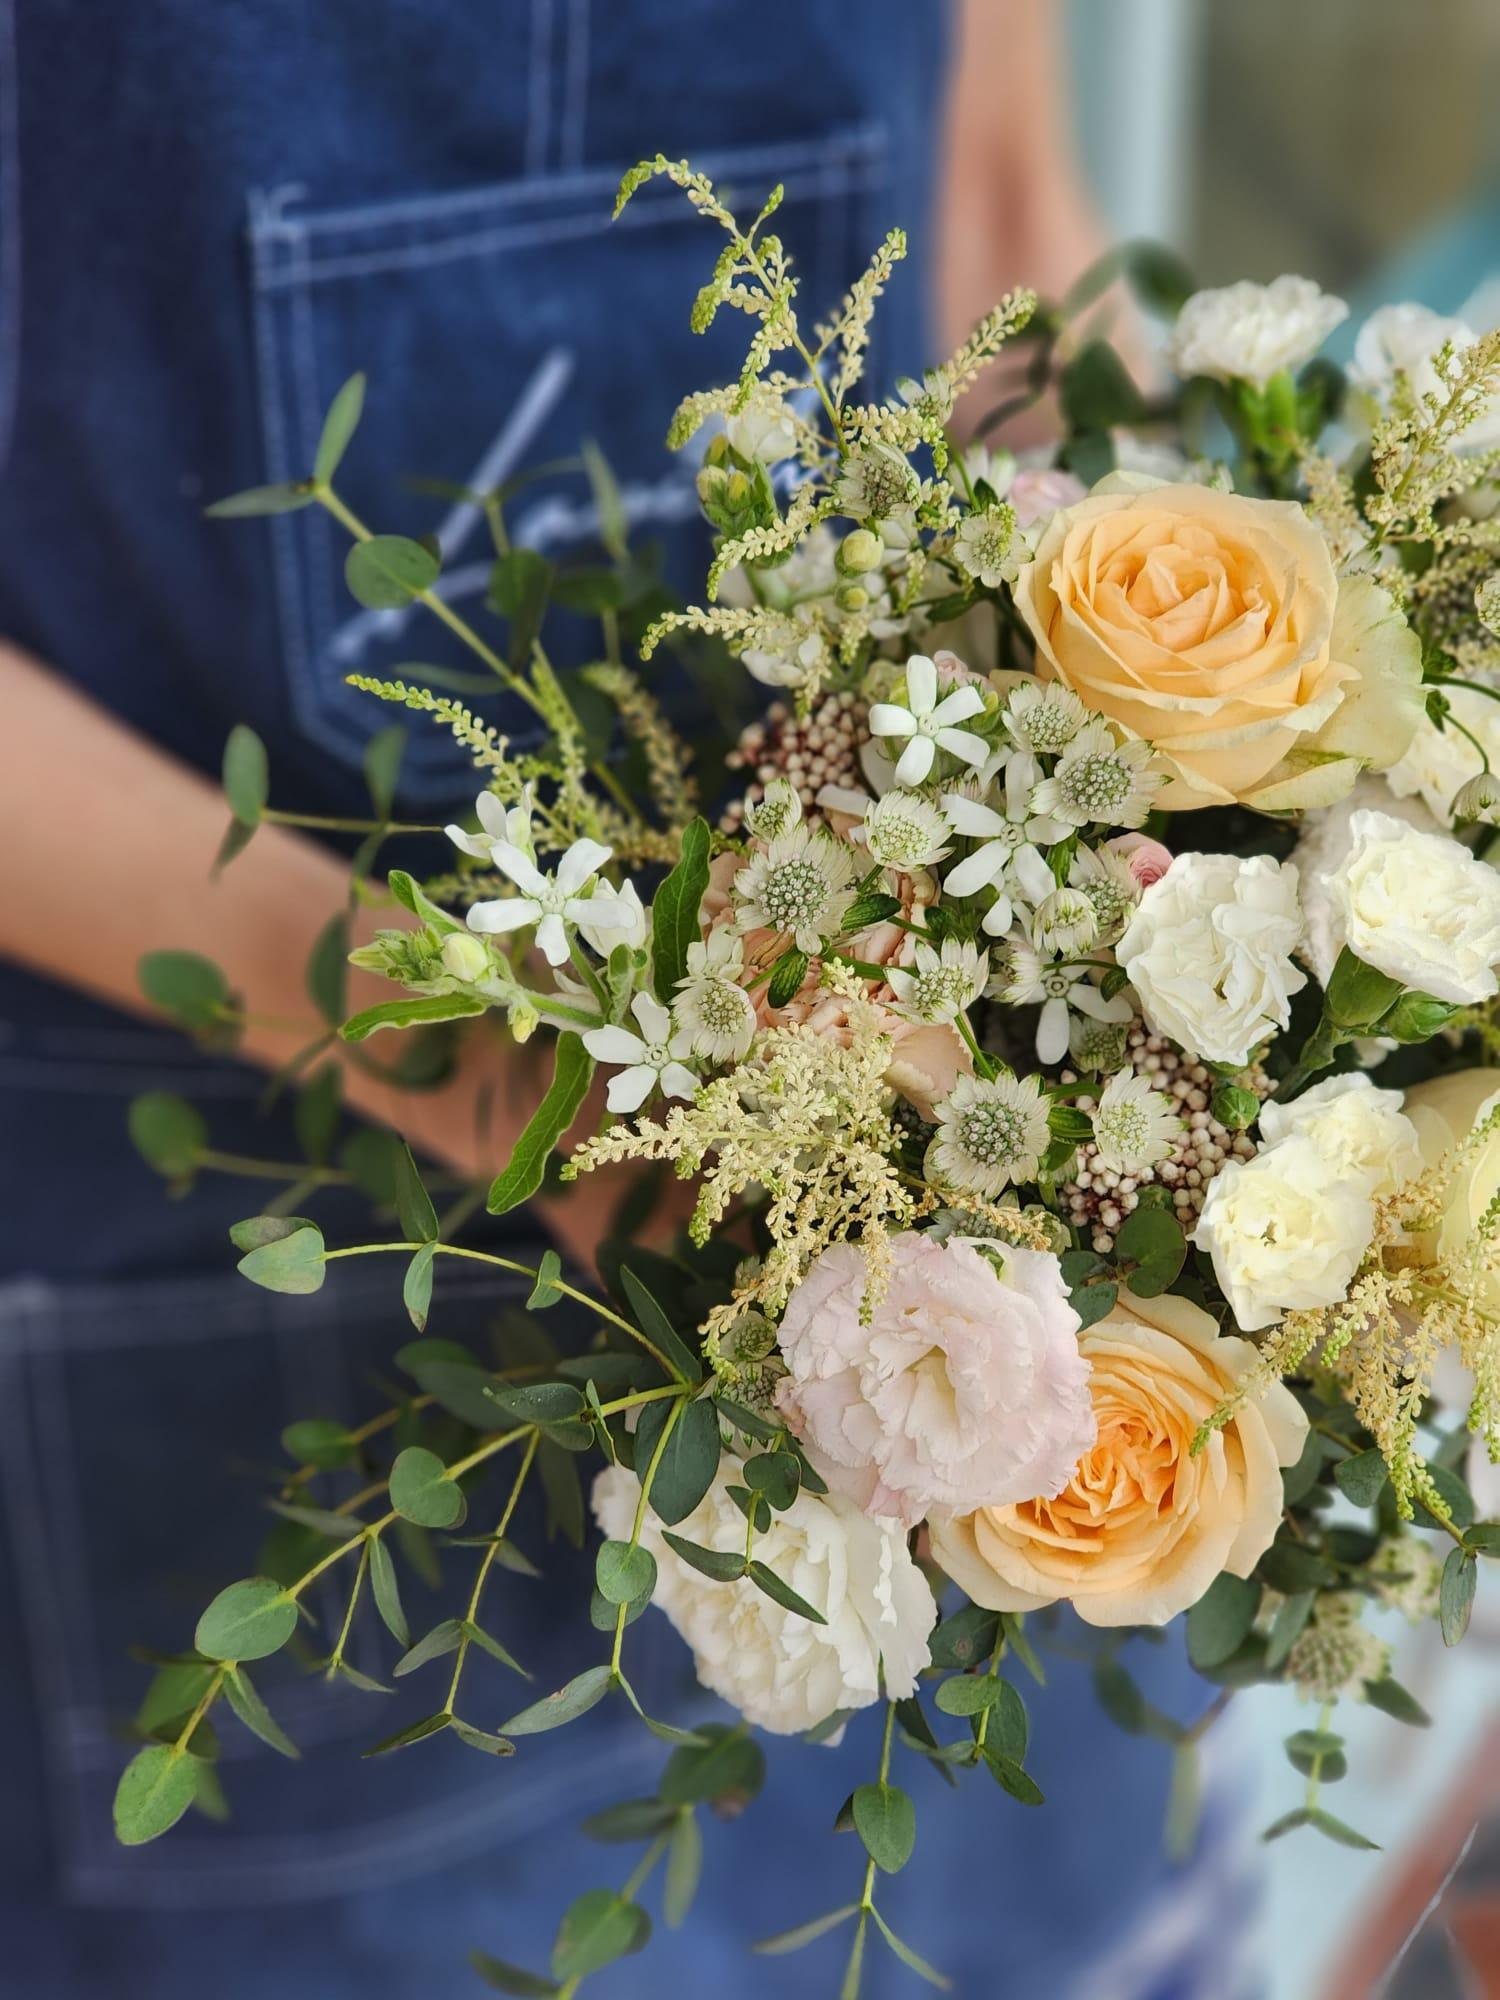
(209, 216)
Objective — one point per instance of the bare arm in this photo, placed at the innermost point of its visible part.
(109, 842)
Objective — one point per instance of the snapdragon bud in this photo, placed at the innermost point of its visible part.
(859, 552)
(465, 956)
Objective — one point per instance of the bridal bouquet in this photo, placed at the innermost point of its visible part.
(1072, 1033)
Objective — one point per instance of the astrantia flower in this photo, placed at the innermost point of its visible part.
(551, 902)
(991, 1132)
(1066, 922)
(1009, 858)
(1044, 715)
(1134, 1125)
(989, 545)
(964, 1388)
(778, 808)
(1108, 879)
(942, 983)
(711, 1007)
(801, 886)
(931, 398)
(1248, 332)
(929, 722)
(903, 830)
(1097, 780)
(876, 484)
(655, 1056)
(1032, 979)
(781, 1671)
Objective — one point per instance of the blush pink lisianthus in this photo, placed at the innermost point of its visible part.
(966, 1381)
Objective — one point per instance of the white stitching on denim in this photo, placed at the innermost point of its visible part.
(576, 100)
(539, 88)
(10, 228)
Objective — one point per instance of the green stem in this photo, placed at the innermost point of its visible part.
(1318, 1052)
(640, 1520)
(335, 1658)
(268, 1170)
(472, 1614)
(322, 823)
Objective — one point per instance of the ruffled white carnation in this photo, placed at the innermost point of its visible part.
(1284, 1231)
(1250, 332)
(776, 1667)
(1360, 1131)
(964, 1389)
(1209, 950)
(1420, 908)
(1321, 852)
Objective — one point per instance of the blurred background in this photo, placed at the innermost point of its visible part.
(1356, 142)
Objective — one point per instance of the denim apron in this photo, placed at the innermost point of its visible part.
(209, 217)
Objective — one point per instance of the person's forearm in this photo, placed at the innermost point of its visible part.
(108, 845)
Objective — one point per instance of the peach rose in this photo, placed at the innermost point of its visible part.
(1213, 626)
(1142, 1528)
(927, 1058)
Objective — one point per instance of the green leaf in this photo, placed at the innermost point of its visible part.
(442, 1639)
(388, 571)
(659, 1330)
(1009, 1775)
(421, 1490)
(252, 1711)
(1307, 1749)
(1096, 391)
(1362, 1477)
(886, 1821)
(285, 498)
(452, 1375)
(1484, 1538)
(1119, 1697)
(569, 1702)
(487, 1644)
(1010, 1726)
(156, 1788)
(408, 893)
(319, 1441)
(571, 1076)
(804, 1934)
(684, 1870)
(382, 767)
(1152, 1240)
(633, 1819)
(327, 969)
(1292, 1615)
(729, 1766)
(787, 976)
(511, 1978)
(520, 584)
(968, 1694)
(609, 503)
(415, 1732)
(776, 1474)
(186, 985)
(546, 1292)
(338, 427)
(1456, 1594)
(416, 1286)
(1454, 1495)
(723, 1565)
(291, 1263)
(687, 1466)
(674, 910)
(624, 1571)
(598, 1927)
(411, 1015)
(387, 1592)
(968, 1636)
(414, 1209)
(537, 1402)
(317, 1113)
(247, 1621)
(782, 1593)
(247, 779)
(1288, 1823)
(912, 1960)
(1221, 1618)
(1389, 1696)
(167, 1132)
(1335, 1829)
(1159, 278)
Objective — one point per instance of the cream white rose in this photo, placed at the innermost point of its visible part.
(1420, 908)
(1437, 762)
(1250, 332)
(1361, 1132)
(776, 1667)
(1285, 1232)
(1209, 950)
(1143, 1527)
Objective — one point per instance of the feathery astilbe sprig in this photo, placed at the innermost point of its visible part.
(849, 329)
(1416, 457)
(673, 790)
(489, 749)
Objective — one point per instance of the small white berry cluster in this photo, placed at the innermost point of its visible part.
(1098, 1199)
(810, 751)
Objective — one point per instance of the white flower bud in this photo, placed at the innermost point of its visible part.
(465, 956)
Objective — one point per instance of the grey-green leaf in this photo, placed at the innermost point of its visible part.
(886, 1821)
(674, 910)
(156, 1788)
(522, 1176)
(252, 1711)
(421, 1490)
(387, 1591)
(247, 780)
(576, 1698)
(247, 1621)
(388, 571)
(290, 1264)
(338, 427)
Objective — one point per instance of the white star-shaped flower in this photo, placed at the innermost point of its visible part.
(552, 901)
(653, 1057)
(929, 723)
(1009, 859)
(497, 822)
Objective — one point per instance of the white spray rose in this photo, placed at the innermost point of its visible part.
(1418, 907)
(1321, 852)
(1405, 338)
(1209, 950)
(965, 1388)
(1250, 332)
(781, 1671)
(1361, 1132)
(1284, 1231)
